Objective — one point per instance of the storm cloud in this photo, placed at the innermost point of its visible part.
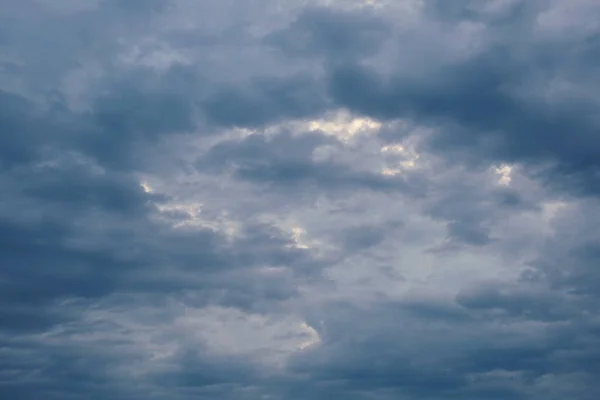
(299, 200)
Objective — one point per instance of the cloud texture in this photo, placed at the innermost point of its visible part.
(269, 199)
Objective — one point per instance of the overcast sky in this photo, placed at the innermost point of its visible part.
(299, 199)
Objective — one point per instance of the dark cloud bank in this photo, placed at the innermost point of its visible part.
(299, 200)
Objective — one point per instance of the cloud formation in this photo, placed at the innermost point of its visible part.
(299, 200)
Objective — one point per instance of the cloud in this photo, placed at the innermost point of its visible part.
(264, 102)
(468, 103)
(326, 32)
(324, 199)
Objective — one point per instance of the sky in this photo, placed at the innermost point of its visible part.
(299, 199)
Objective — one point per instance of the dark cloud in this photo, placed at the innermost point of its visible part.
(137, 110)
(265, 101)
(332, 34)
(187, 212)
(15, 118)
(469, 105)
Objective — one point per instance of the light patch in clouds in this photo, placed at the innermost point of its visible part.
(298, 238)
(505, 174)
(391, 171)
(403, 7)
(263, 338)
(344, 126)
(577, 18)
(189, 215)
(398, 158)
(147, 188)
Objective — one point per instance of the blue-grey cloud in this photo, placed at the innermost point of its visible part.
(342, 199)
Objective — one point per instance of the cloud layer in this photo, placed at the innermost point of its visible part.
(299, 200)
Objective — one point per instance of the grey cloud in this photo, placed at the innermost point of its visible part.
(138, 109)
(16, 117)
(569, 258)
(469, 103)
(90, 260)
(135, 7)
(531, 305)
(284, 162)
(265, 101)
(340, 35)
(71, 227)
(381, 353)
(363, 237)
